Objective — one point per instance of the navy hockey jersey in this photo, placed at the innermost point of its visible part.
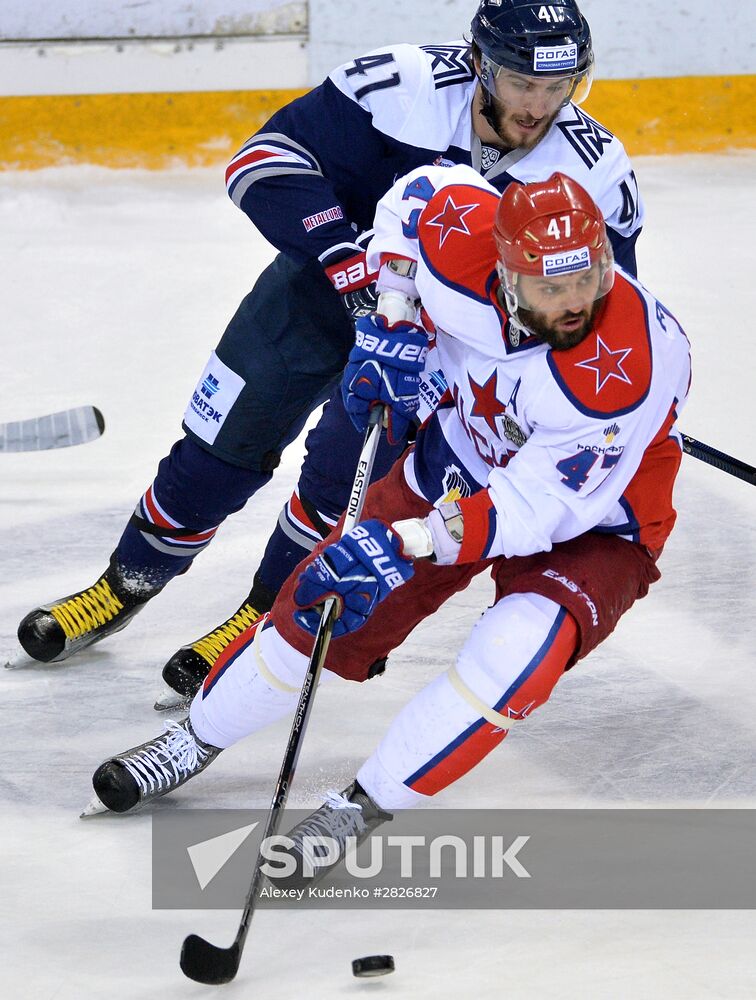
(310, 179)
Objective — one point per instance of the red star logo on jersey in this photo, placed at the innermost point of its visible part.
(486, 404)
(607, 364)
(452, 219)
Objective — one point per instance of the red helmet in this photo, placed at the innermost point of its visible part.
(550, 228)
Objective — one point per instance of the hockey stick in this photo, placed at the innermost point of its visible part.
(200, 960)
(733, 466)
(55, 430)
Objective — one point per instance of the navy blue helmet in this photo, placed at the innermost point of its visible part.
(533, 39)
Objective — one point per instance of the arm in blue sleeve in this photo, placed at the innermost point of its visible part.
(302, 178)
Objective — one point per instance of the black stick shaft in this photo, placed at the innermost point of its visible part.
(232, 955)
(726, 463)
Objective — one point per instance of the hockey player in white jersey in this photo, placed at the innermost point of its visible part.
(550, 461)
(509, 105)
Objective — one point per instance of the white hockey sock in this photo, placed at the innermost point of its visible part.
(435, 716)
(510, 663)
(259, 686)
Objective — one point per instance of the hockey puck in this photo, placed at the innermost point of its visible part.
(373, 965)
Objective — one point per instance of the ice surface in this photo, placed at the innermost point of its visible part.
(115, 286)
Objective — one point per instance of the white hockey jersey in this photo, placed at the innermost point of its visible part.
(550, 444)
(314, 173)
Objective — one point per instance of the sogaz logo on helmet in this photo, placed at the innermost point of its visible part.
(548, 58)
(566, 262)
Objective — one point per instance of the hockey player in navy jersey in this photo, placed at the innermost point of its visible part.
(310, 181)
(566, 377)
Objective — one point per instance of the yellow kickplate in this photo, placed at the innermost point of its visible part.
(151, 131)
(692, 114)
(696, 114)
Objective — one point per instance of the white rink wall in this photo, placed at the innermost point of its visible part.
(72, 19)
(642, 38)
(633, 38)
(671, 76)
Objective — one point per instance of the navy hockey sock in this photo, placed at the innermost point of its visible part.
(179, 514)
(325, 482)
(299, 529)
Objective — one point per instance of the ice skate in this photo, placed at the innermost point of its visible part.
(346, 818)
(190, 665)
(150, 770)
(55, 631)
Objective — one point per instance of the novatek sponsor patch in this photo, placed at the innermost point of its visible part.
(321, 218)
(216, 392)
(552, 58)
(566, 262)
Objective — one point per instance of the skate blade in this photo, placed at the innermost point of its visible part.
(18, 659)
(168, 700)
(14, 661)
(93, 808)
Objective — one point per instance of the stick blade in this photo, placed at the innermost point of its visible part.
(63, 429)
(206, 963)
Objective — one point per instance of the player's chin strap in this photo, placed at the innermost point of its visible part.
(487, 106)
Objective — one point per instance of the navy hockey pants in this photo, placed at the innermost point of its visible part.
(285, 349)
(281, 355)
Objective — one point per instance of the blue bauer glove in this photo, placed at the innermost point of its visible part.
(359, 570)
(384, 367)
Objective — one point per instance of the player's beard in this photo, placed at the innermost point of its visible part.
(504, 123)
(551, 332)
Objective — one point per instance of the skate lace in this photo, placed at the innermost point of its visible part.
(165, 760)
(338, 818)
(88, 610)
(210, 646)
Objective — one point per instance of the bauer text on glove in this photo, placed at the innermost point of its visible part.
(354, 283)
(384, 367)
(361, 569)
